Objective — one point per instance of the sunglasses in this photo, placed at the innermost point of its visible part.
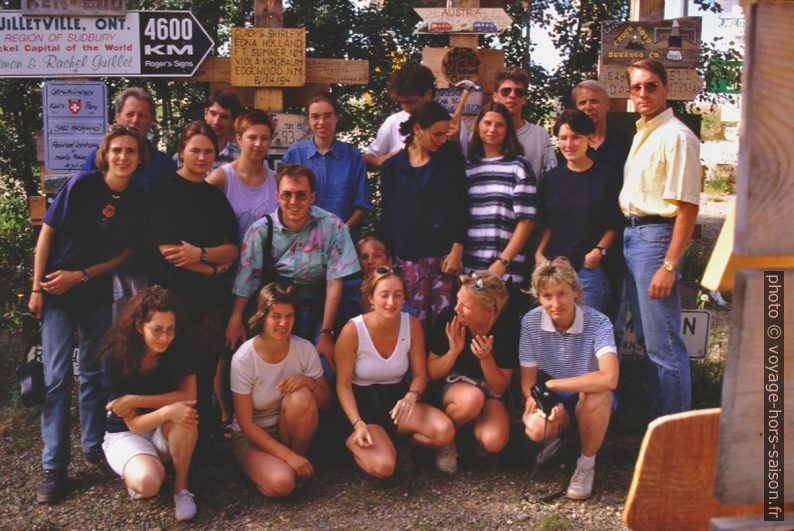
(519, 92)
(650, 87)
(396, 270)
(300, 197)
(478, 282)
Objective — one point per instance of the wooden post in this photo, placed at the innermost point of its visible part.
(764, 227)
(269, 14)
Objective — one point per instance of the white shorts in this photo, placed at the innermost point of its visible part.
(122, 446)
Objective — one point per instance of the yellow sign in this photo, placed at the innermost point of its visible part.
(268, 57)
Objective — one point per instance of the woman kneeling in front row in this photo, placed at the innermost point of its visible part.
(150, 378)
(278, 390)
(374, 352)
(571, 348)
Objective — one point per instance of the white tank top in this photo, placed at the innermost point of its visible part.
(371, 367)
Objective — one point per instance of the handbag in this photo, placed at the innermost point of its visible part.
(30, 373)
(267, 274)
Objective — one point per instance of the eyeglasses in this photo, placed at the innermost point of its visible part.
(396, 270)
(519, 92)
(649, 87)
(300, 197)
(328, 116)
(159, 331)
(121, 128)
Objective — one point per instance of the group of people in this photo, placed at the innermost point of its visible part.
(165, 266)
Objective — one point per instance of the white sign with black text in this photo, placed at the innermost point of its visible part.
(694, 331)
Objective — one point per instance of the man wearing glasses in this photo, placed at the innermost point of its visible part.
(511, 91)
(311, 249)
(660, 197)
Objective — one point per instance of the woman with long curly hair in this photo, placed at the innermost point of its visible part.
(150, 378)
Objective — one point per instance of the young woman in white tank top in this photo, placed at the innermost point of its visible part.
(373, 353)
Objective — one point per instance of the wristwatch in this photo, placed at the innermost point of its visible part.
(668, 266)
(602, 249)
(85, 277)
(203, 256)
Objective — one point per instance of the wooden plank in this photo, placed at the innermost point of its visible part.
(674, 42)
(685, 83)
(646, 9)
(269, 99)
(268, 13)
(673, 483)
(268, 57)
(214, 69)
(37, 204)
(464, 41)
(245, 94)
(341, 71)
(740, 477)
(490, 62)
(765, 174)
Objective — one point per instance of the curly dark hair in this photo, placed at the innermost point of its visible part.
(123, 341)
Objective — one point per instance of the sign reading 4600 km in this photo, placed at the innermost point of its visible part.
(142, 43)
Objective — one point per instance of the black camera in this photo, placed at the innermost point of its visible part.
(544, 398)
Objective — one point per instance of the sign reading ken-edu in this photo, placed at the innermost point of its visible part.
(141, 43)
(268, 57)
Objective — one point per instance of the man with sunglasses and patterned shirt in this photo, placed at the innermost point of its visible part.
(660, 198)
(511, 91)
(311, 249)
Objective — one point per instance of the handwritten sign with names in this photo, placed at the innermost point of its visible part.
(268, 57)
(75, 119)
(685, 83)
(449, 98)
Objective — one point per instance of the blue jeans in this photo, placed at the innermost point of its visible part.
(657, 321)
(57, 341)
(595, 287)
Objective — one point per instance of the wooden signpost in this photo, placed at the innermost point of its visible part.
(463, 20)
(268, 57)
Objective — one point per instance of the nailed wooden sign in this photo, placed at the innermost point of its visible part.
(268, 57)
(290, 128)
(76, 8)
(449, 67)
(348, 72)
(675, 42)
(463, 20)
(685, 83)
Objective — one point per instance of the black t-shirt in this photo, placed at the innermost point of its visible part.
(92, 225)
(505, 332)
(578, 207)
(173, 365)
(199, 214)
(613, 151)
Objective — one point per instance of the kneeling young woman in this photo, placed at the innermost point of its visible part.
(374, 352)
(150, 379)
(278, 390)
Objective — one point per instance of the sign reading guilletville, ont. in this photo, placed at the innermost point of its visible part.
(141, 43)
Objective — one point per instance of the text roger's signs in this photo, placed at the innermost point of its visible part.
(141, 43)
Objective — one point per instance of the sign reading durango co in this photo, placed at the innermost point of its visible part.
(141, 43)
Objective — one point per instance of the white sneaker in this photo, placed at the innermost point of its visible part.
(447, 459)
(581, 485)
(134, 494)
(185, 506)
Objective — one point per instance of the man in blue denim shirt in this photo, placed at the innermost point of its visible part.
(341, 177)
(660, 198)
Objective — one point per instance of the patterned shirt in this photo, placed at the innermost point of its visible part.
(501, 193)
(321, 250)
(565, 354)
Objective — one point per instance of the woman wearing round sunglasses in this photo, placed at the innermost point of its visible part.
(579, 208)
(279, 390)
(425, 209)
(502, 190)
(374, 353)
(473, 352)
(149, 376)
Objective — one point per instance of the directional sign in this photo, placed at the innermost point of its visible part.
(694, 331)
(141, 43)
(463, 20)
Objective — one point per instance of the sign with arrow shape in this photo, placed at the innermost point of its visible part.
(463, 20)
(141, 43)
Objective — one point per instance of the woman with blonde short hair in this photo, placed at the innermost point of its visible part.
(473, 351)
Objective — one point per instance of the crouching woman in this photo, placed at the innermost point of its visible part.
(278, 390)
(570, 348)
(150, 379)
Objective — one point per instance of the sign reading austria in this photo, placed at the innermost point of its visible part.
(141, 43)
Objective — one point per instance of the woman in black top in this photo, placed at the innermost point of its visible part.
(196, 232)
(151, 384)
(579, 208)
(425, 209)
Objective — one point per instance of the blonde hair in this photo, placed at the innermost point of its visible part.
(271, 294)
(370, 283)
(375, 241)
(487, 288)
(558, 271)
